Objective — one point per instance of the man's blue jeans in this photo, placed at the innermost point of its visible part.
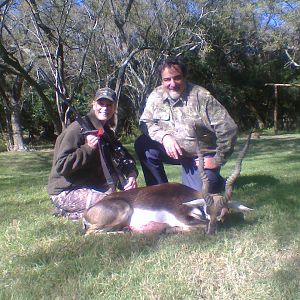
(152, 156)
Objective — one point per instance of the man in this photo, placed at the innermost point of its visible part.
(178, 118)
(82, 166)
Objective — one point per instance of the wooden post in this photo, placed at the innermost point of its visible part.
(275, 110)
(275, 115)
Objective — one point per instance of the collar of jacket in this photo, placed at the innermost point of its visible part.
(182, 100)
(96, 123)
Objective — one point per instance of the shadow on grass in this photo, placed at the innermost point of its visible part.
(267, 146)
(236, 220)
(261, 181)
(23, 210)
(20, 183)
(287, 279)
(273, 201)
(26, 162)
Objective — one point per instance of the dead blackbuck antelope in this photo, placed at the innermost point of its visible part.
(173, 207)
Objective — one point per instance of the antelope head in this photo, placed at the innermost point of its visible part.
(216, 205)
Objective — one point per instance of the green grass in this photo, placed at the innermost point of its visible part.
(43, 257)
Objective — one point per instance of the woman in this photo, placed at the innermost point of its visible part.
(78, 178)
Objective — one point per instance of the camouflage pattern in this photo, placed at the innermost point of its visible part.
(73, 203)
(196, 117)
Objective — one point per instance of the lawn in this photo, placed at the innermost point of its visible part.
(258, 257)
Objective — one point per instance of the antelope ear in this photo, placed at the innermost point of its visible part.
(195, 203)
(238, 206)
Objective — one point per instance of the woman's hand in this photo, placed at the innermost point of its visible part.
(92, 141)
(131, 182)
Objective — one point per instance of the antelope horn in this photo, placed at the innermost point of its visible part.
(195, 203)
(238, 206)
(231, 179)
(205, 184)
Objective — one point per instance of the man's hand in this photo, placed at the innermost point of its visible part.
(172, 148)
(92, 141)
(131, 182)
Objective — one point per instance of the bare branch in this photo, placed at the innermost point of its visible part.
(291, 61)
(39, 22)
(4, 3)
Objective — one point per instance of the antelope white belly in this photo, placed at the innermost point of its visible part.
(142, 217)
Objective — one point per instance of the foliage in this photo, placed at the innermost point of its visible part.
(244, 58)
(44, 257)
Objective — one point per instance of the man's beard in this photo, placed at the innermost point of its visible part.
(174, 95)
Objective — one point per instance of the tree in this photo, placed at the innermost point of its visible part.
(234, 48)
(17, 60)
(248, 44)
(117, 38)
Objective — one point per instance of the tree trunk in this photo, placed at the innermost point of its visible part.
(259, 119)
(16, 126)
(11, 100)
(7, 134)
(17, 133)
